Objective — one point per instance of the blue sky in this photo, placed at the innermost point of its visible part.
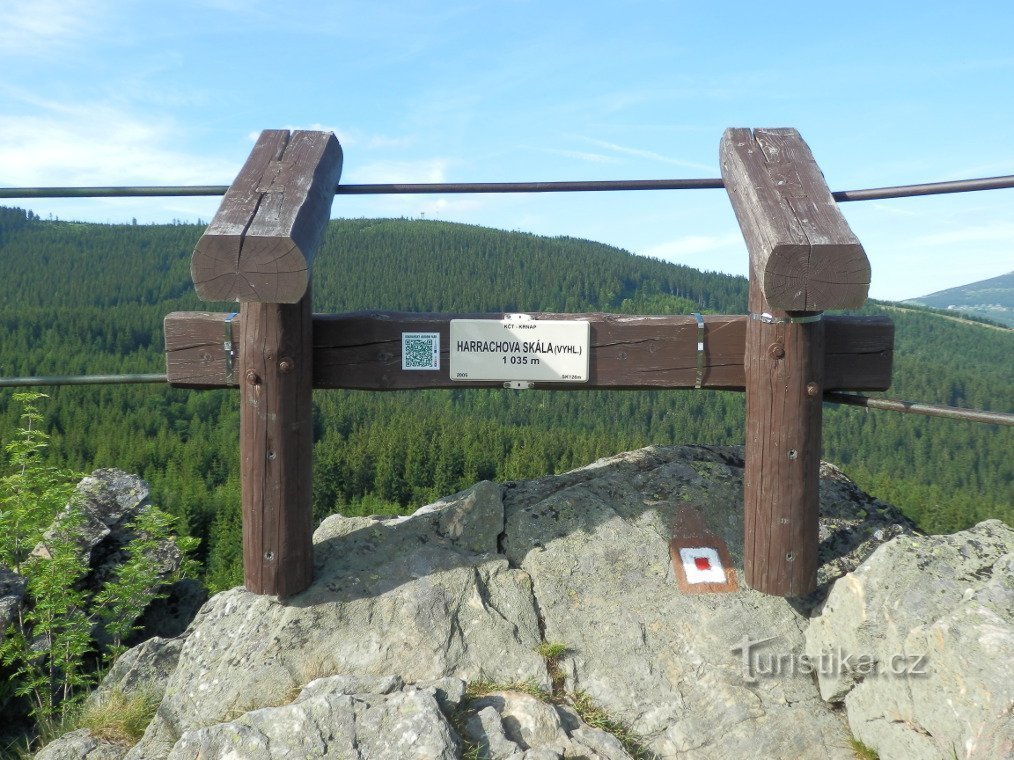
(114, 92)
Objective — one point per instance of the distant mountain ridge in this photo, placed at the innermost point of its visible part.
(992, 299)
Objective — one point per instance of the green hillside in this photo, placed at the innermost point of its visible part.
(990, 299)
(87, 298)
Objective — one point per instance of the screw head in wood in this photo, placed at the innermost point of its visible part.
(790, 557)
(286, 365)
(812, 389)
(793, 454)
(776, 351)
(269, 556)
(251, 377)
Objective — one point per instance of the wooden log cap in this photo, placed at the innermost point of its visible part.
(804, 254)
(261, 243)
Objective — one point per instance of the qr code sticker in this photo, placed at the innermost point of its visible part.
(420, 350)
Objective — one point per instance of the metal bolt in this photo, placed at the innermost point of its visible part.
(790, 556)
(271, 456)
(285, 366)
(269, 556)
(812, 389)
(793, 453)
(776, 351)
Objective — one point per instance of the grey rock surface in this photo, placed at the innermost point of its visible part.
(513, 725)
(110, 499)
(418, 596)
(12, 592)
(928, 623)
(80, 745)
(467, 588)
(338, 717)
(145, 667)
(596, 544)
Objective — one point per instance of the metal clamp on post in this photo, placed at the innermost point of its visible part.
(769, 319)
(700, 350)
(230, 350)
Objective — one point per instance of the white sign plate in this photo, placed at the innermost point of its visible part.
(519, 348)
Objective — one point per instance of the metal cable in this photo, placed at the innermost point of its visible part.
(912, 407)
(22, 382)
(878, 193)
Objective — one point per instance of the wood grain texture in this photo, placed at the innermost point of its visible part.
(276, 446)
(805, 256)
(785, 383)
(363, 351)
(261, 243)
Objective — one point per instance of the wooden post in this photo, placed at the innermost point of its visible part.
(276, 446)
(803, 259)
(258, 250)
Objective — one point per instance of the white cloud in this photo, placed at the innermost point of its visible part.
(595, 158)
(99, 145)
(35, 27)
(647, 154)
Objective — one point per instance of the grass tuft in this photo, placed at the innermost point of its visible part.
(862, 751)
(118, 717)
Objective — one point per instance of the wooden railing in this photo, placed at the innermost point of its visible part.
(804, 260)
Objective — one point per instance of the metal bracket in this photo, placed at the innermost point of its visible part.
(518, 318)
(700, 350)
(230, 350)
(769, 319)
(519, 385)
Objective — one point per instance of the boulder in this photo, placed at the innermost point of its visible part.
(333, 717)
(144, 667)
(425, 597)
(466, 589)
(917, 642)
(12, 592)
(111, 499)
(509, 725)
(81, 745)
(596, 544)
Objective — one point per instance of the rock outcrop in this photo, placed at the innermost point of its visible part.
(468, 588)
(111, 499)
(919, 642)
(373, 659)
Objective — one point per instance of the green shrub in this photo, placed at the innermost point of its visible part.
(48, 648)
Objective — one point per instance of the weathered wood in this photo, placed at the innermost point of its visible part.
(785, 384)
(363, 351)
(276, 446)
(261, 243)
(804, 255)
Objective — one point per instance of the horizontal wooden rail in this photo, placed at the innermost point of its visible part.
(363, 351)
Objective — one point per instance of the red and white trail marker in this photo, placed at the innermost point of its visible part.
(700, 557)
(702, 565)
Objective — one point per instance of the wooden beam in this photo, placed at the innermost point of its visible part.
(261, 243)
(785, 382)
(803, 254)
(276, 446)
(363, 351)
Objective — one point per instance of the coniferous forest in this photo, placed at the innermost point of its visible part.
(90, 299)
